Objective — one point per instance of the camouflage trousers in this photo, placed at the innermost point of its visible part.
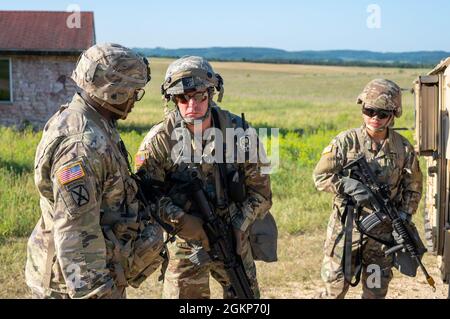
(376, 272)
(185, 280)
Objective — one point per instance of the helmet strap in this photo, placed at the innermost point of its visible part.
(127, 109)
(219, 87)
(221, 91)
(382, 128)
(123, 114)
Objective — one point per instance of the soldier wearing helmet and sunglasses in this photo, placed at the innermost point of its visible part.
(92, 239)
(190, 83)
(395, 163)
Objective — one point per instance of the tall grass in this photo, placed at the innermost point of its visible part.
(19, 205)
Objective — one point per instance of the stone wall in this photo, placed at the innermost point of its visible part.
(40, 84)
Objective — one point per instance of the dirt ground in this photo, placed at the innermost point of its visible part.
(295, 276)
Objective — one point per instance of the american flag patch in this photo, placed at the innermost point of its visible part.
(70, 173)
(139, 159)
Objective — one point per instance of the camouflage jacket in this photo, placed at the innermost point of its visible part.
(85, 189)
(395, 164)
(157, 160)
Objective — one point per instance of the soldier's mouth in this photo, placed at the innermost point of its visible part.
(375, 123)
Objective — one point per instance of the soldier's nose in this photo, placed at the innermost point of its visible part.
(192, 103)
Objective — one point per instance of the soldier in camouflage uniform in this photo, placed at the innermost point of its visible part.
(91, 240)
(394, 162)
(190, 83)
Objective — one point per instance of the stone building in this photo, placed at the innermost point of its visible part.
(38, 52)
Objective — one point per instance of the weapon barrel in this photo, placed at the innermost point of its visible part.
(222, 240)
(429, 279)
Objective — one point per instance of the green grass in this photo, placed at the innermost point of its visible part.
(309, 104)
(12, 268)
(19, 203)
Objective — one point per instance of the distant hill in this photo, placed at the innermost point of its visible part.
(424, 59)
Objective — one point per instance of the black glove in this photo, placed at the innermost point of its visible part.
(360, 193)
(405, 216)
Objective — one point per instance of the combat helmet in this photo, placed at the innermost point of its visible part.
(382, 94)
(112, 75)
(191, 73)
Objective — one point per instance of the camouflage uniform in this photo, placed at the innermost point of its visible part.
(394, 163)
(88, 241)
(183, 279)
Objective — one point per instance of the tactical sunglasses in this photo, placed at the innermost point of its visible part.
(198, 97)
(139, 94)
(381, 114)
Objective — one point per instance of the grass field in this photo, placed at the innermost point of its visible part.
(309, 104)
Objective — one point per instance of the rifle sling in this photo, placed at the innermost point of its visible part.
(221, 180)
(348, 242)
(347, 222)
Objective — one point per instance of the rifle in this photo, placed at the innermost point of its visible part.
(220, 234)
(384, 208)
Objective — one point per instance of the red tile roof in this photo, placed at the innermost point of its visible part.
(45, 31)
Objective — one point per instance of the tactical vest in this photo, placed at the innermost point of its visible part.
(263, 233)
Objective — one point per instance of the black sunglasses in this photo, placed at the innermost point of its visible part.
(381, 114)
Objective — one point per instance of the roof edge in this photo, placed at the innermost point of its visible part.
(44, 11)
(41, 52)
(441, 66)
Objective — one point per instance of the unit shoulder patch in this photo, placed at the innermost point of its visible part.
(80, 195)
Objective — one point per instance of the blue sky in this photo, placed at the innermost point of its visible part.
(291, 25)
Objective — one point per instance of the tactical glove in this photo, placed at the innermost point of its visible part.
(191, 228)
(405, 216)
(358, 191)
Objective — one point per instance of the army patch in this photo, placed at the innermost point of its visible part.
(80, 195)
(70, 173)
(328, 149)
